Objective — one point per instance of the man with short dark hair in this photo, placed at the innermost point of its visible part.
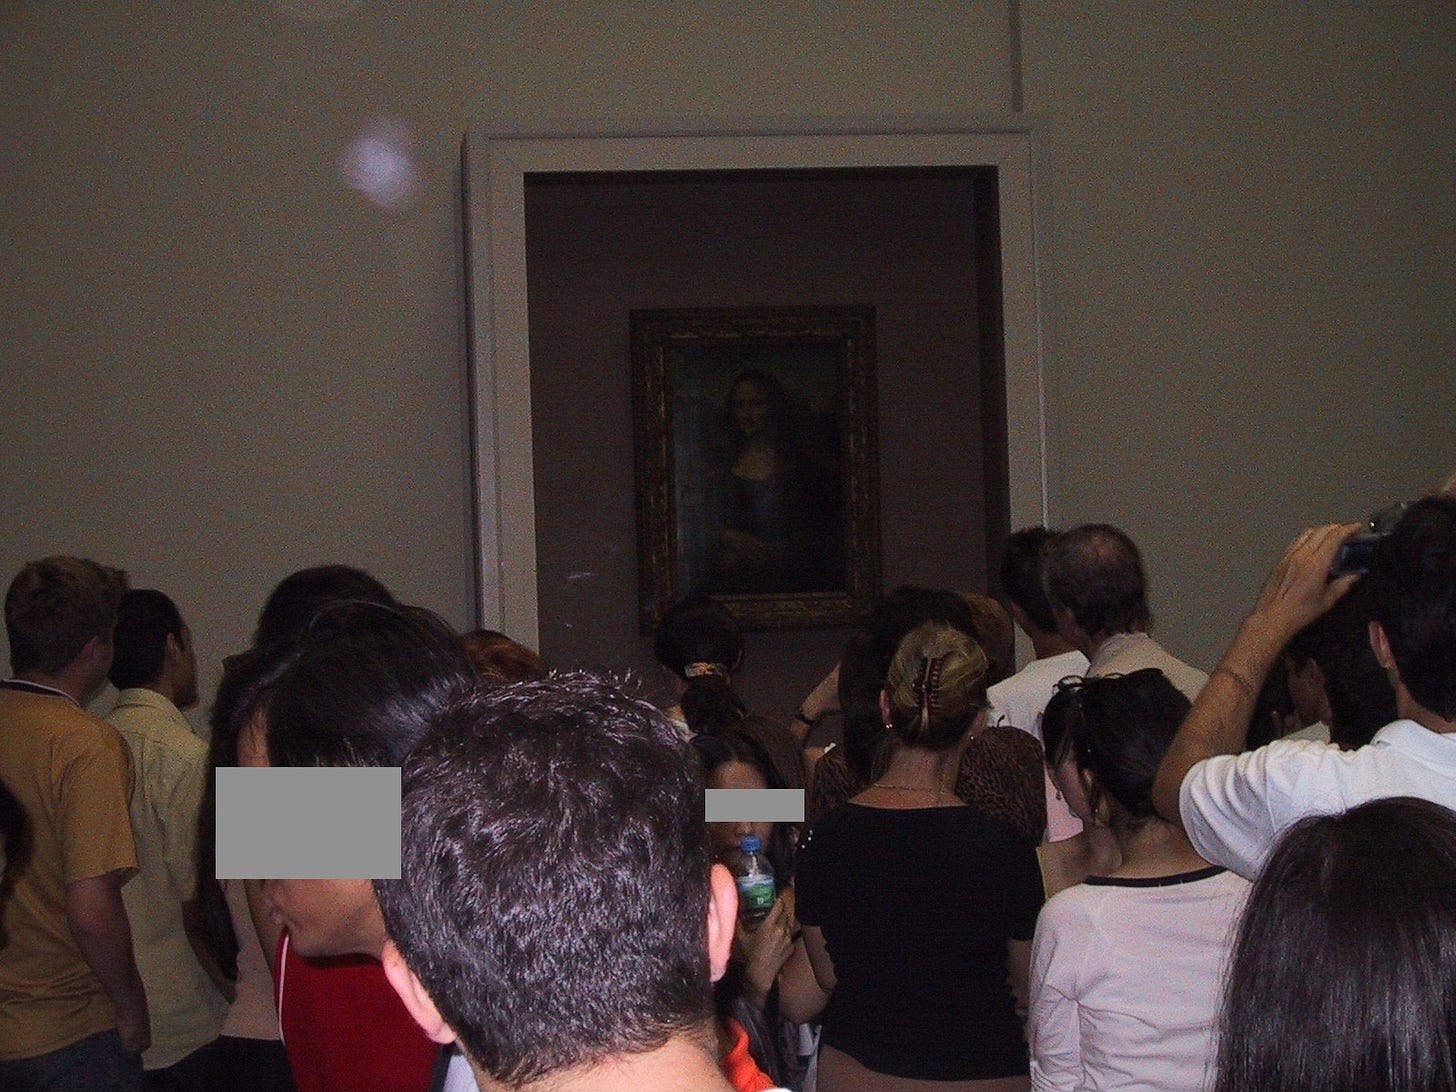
(1234, 806)
(73, 1011)
(155, 671)
(1098, 592)
(558, 912)
(1022, 699)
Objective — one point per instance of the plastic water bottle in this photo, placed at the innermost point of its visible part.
(756, 889)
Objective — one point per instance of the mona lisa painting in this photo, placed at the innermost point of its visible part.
(756, 462)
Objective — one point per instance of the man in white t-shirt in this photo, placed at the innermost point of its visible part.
(1234, 806)
(1022, 699)
(1098, 592)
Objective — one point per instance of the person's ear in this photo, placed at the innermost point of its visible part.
(1380, 645)
(885, 707)
(1093, 792)
(97, 650)
(722, 918)
(416, 998)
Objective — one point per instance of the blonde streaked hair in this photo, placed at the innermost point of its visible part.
(936, 686)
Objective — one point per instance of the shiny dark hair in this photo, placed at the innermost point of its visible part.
(144, 621)
(1096, 572)
(906, 608)
(554, 882)
(1413, 597)
(1343, 977)
(360, 685)
(299, 596)
(1119, 727)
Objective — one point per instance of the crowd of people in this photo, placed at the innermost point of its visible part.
(1109, 869)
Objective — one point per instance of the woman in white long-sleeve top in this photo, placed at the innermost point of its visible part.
(1127, 968)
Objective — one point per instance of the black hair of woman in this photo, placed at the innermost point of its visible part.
(1118, 728)
(1343, 977)
(701, 643)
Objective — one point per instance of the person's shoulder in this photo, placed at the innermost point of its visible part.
(142, 715)
(1073, 907)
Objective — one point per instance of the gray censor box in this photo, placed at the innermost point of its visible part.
(754, 805)
(308, 823)
(343, 822)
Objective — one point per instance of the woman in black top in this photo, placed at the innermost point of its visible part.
(918, 912)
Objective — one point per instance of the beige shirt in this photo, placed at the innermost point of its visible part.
(69, 772)
(1124, 653)
(171, 775)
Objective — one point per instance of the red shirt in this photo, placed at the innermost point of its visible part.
(344, 1027)
(738, 1065)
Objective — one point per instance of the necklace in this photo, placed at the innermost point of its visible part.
(940, 794)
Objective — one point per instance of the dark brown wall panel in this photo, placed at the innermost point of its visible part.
(600, 246)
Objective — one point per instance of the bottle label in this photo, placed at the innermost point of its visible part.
(755, 894)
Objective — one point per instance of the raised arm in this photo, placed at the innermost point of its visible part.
(821, 701)
(1297, 592)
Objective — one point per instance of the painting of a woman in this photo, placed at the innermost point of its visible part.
(756, 462)
(772, 499)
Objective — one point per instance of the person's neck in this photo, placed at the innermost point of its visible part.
(163, 687)
(71, 683)
(1095, 644)
(917, 768)
(1045, 645)
(1407, 708)
(684, 1061)
(1101, 853)
(1153, 848)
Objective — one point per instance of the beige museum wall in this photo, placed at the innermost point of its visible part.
(219, 362)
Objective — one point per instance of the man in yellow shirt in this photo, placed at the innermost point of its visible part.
(73, 1012)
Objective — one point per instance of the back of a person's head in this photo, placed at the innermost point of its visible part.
(1120, 727)
(501, 660)
(554, 882)
(361, 683)
(299, 596)
(55, 606)
(1413, 597)
(936, 686)
(1343, 977)
(907, 607)
(698, 632)
(1023, 575)
(699, 641)
(1360, 695)
(144, 621)
(1095, 572)
(995, 633)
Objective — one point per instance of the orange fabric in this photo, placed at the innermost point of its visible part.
(738, 1065)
